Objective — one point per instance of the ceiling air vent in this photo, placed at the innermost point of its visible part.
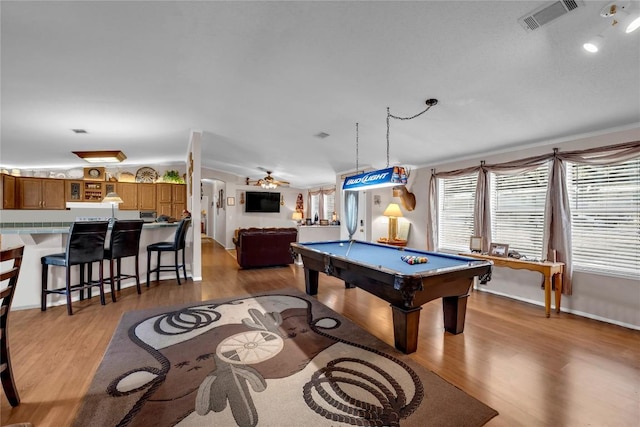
(547, 13)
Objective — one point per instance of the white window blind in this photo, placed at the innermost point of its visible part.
(605, 213)
(455, 212)
(315, 207)
(328, 206)
(518, 203)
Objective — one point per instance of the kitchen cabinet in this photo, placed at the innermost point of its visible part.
(8, 189)
(128, 192)
(147, 197)
(171, 199)
(40, 193)
(93, 191)
(74, 191)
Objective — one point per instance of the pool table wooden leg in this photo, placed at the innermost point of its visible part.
(311, 281)
(405, 328)
(455, 310)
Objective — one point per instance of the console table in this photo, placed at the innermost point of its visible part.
(552, 272)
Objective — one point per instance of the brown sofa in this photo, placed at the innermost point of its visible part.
(264, 247)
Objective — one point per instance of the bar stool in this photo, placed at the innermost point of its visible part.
(85, 245)
(123, 243)
(177, 245)
(8, 282)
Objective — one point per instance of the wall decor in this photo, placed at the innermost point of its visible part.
(231, 201)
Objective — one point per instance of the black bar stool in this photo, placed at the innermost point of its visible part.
(177, 245)
(8, 282)
(123, 243)
(85, 245)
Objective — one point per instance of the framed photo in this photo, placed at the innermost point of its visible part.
(499, 249)
(231, 201)
(475, 244)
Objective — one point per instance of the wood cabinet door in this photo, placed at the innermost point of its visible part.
(53, 194)
(147, 197)
(179, 193)
(176, 210)
(128, 192)
(8, 191)
(164, 209)
(164, 192)
(73, 191)
(29, 193)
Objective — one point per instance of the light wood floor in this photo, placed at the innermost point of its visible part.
(561, 371)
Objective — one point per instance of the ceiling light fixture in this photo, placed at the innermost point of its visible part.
(618, 13)
(115, 156)
(388, 177)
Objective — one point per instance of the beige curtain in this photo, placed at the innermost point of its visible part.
(557, 233)
(320, 192)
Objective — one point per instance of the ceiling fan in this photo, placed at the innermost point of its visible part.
(267, 182)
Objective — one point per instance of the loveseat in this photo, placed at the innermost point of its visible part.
(264, 247)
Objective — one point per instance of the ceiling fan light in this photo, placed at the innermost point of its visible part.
(594, 44)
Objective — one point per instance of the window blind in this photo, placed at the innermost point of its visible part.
(455, 212)
(517, 203)
(605, 214)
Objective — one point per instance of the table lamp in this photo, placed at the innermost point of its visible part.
(114, 199)
(297, 216)
(393, 212)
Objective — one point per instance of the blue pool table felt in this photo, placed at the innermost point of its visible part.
(389, 257)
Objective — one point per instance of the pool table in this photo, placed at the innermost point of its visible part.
(379, 270)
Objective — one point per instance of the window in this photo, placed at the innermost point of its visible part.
(517, 206)
(605, 216)
(455, 212)
(328, 205)
(315, 207)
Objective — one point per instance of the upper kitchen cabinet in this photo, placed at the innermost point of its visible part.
(8, 189)
(147, 197)
(128, 192)
(171, 199)
(40, 193)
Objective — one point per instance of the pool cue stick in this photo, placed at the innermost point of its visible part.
(349, 248)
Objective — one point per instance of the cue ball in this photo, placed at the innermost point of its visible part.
(341, 244)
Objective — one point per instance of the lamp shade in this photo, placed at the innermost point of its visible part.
(393, 210)
(297, 216)
(112, 198)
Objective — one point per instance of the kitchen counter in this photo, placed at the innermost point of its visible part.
(40, 239)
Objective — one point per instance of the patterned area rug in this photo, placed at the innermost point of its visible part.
(271, 359)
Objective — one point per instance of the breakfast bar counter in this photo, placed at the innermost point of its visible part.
(49, 238)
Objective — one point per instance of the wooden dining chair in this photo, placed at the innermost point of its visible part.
(8, 282)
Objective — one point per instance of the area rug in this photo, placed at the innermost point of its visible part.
(277, 358)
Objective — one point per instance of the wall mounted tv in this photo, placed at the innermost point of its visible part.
(260, 201)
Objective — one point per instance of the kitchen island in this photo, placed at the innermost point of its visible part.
(40, 239)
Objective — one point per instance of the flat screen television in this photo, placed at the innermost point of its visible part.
(260, 201)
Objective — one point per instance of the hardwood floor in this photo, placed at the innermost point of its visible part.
(561, 371)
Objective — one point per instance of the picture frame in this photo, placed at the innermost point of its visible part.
(231, 201)
(475, 244)
(499, 250)
(324, 222)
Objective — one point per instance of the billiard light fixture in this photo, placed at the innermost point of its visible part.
(114, 156)
(388, 177)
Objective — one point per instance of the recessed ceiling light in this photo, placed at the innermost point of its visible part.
(79, 131)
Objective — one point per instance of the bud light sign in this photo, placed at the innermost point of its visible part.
(375, 179)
